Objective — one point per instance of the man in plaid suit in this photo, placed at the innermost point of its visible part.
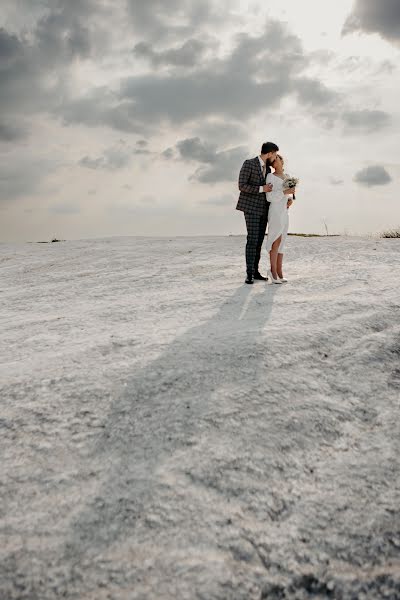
(253, 202)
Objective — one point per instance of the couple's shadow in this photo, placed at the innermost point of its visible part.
(161, 409)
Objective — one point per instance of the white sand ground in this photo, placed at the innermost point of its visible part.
(168, 432)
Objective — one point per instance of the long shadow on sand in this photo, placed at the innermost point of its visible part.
(161, 411)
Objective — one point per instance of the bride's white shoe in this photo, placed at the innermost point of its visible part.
(272, 278)
(283, 279)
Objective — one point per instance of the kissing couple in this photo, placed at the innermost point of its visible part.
(265, 198)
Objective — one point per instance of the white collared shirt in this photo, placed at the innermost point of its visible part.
(262, 163)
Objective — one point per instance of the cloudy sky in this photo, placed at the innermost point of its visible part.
(133, 117)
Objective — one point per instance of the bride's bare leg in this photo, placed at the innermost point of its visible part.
(279, 264)
(273, 257)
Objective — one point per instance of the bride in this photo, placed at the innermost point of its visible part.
(278, 219)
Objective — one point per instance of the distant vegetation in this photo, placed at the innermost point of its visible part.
(315, 234)
(298, 234)
(391, 233)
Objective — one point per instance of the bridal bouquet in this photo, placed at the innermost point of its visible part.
(290, 182)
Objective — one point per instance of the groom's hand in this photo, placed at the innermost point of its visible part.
(268, 187)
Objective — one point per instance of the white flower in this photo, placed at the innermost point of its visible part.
(290, 182)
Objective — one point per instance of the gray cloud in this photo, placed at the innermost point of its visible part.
(61, 37)
(154, 17)
(219, 131)
(116, 157)
(194, 149)
(17, 68)
(35, 68)
(225, 167)
(92, 163)
(141, 147)
(221, 93)
(322, 56)
(22, 14)
(168, 153)
(366, 67)
(11, 132)
(100, 107)
(187, 55)
(217, 165)
(365, 120)
(335, 181)
(373, 176)
(175, 19)
(259, 72)
(10, 48)
(312, 92)
(35, 63)
(375, 16)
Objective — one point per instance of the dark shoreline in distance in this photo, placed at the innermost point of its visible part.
(298, 234)
(315, 234)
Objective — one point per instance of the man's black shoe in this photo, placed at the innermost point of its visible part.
(260, 277)
(249, 279)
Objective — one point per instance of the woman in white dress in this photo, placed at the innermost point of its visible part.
(278, 219)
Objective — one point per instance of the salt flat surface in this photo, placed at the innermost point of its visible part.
(168, 432)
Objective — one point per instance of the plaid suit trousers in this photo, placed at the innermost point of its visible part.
(256, 226)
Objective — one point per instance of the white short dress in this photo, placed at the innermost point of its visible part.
(278, 217)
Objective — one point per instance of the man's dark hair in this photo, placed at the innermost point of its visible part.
(269, 147)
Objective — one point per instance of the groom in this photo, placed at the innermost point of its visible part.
(253, 202)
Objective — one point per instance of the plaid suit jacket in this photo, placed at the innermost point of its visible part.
(250, 179)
